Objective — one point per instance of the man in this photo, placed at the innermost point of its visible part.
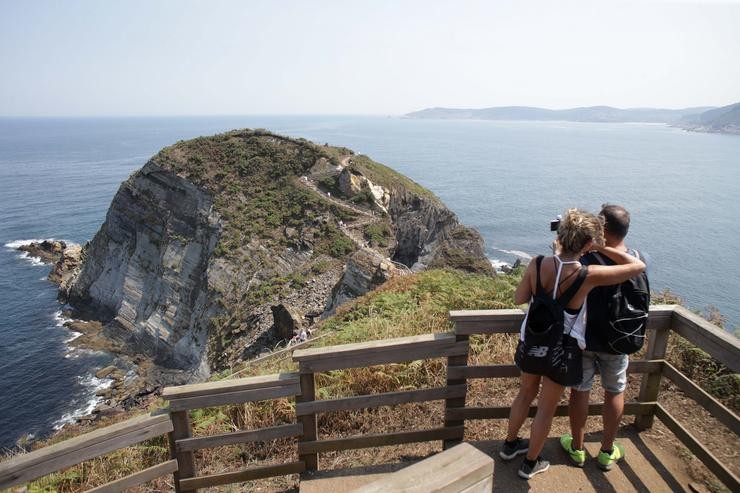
(612, 367)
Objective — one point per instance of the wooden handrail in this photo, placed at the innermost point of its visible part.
(27, 467)
(720, 344)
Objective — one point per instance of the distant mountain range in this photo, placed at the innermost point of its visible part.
(703, 118)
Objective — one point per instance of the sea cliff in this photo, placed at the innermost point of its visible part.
(202, 245)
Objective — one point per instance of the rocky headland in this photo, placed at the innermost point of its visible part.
(220, 247)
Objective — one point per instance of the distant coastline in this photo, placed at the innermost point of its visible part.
(725, 119)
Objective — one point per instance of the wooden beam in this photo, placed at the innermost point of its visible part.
(137, 478)
(399, 344)
(227, 386)
(502, 412)
(462, 468)
(249, 474)
(273, 433)
(389, 355)
(720, 344)
(650, 383)
(252, 395)
(308, 421)
(511, 371)
(377, 400)
(456, 402)
(27, 467)
(715, 408)
(713, 464)
(473, 322)
(185, 458)
(379, 440)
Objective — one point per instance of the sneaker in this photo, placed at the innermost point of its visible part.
(527, 472)
(606, 461)
(577, 457)
(511, 450)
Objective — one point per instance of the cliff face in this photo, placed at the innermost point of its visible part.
(145, 273)
(200, 243)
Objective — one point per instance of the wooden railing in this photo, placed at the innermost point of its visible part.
(302, 387)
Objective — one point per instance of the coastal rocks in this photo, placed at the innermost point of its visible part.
(428, 235)
(352, 183)
(287, 321)
(365, 271)
(48, 251)
(66, 268)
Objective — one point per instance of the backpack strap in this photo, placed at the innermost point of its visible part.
(540, 289)
(573, 288)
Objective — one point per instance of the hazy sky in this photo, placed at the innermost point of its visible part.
(157, 57)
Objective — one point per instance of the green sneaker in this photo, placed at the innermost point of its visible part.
(606, 461)
(577, 457)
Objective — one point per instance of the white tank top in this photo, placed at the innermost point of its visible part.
(574, 323)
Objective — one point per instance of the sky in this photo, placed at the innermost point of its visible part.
(222, 57)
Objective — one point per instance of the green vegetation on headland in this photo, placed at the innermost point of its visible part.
(407, 305)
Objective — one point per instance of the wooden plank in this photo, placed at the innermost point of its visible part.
(715, 408)
(226, 386)
(308, 421)
(454, 470)
(456, 402)
(379, 440)
(713, 464)
(650, 383)
(720, 344)
(257, 472)
(502, 412)
(398, 344)
(511, 371)
(234, 397)
(137, 478)
(473, 322)
(85, 440)
(377, 400)
(185, 458)
(37, 464)
(396, 355)
(273, 433)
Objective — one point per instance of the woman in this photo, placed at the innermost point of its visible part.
(578, 233)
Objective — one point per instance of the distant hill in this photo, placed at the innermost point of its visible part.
(586, 114)
(718, 120)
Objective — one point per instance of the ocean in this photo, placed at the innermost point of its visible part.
(506, 179)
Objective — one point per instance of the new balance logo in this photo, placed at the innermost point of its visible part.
(538, 351)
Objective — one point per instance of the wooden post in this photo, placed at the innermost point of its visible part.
(185, 460)
(456, 402)
(310, 430)
(650, 386)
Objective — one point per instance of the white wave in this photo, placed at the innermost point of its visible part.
(19, 243)
(517, 253)
(498, 264)
(91, 400)
(35, 261)
(74, 336)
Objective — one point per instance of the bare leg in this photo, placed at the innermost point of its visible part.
(546, 405)
(529, 385)
(613, 408)
(578, 412)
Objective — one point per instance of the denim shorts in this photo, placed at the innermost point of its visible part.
(612, 367)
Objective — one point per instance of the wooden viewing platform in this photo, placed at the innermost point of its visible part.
(468, 462)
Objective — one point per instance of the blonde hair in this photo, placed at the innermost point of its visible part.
(577, 228)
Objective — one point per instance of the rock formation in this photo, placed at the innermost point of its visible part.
(199, 244)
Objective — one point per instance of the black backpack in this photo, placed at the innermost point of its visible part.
(617, 315)
(546, 349)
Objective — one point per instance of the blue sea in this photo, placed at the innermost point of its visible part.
(506, 179)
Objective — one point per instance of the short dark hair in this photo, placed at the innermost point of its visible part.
(616, 220)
